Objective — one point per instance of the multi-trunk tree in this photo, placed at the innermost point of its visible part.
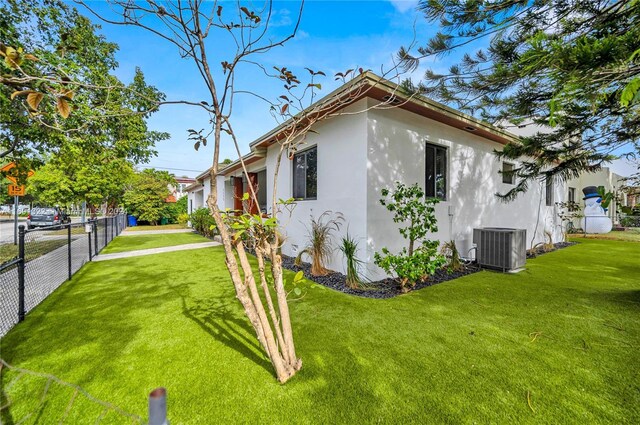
(571, 66)
(225, 40)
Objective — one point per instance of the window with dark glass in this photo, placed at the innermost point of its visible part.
(305, 174)
(436, 172)
(508, 176)
(549, 191)
(572, 195)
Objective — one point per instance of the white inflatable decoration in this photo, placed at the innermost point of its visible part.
(595, 219)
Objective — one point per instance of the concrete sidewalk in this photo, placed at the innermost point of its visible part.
(141, 252)
(128, 232)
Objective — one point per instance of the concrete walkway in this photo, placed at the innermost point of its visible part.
(141, 252)
(128, 232)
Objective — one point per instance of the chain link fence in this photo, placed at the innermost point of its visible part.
(629, 220)
(44, 259)
(27, 396)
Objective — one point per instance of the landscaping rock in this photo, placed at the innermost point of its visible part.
(386, 288)
(540, 250)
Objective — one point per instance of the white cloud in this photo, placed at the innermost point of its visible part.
(280, 18)
(301, 35)
(404, 5)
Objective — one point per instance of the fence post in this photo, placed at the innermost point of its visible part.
(69, 247)
(158, 407)
(106, 229)
(21, 273)
(89, 235)
(95, 235)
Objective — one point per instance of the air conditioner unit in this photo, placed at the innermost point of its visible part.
(501, 248)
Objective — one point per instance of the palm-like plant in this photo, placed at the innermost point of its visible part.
(349, 247)
(319, 241)
(451, 253)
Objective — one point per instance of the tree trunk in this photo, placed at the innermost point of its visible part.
(278, 344)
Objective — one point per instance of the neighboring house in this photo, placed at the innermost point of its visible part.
(611, 181)
(180, 189)
(349, 159)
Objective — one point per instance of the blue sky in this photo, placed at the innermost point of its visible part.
(333, 36)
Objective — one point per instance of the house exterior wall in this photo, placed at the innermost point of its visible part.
(396, 152)
(360, 154)
(197, 198)
(342, 175)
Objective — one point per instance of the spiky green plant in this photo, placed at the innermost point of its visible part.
(349, 248)
(451, 253)
(319, 241)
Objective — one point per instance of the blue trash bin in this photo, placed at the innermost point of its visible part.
(132, 221)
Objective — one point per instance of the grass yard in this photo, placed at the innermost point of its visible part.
(136, 242)
(631, 234)
(158, 227)
(36, 248)
(557, 343)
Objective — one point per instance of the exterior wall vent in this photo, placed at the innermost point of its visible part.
(501, 248)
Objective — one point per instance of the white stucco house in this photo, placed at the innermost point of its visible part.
(350, 158)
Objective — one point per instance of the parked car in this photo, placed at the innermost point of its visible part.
(47, 216)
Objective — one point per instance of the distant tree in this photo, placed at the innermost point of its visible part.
(4, 192)
(73, 176)
(571, 65)
(145, 198)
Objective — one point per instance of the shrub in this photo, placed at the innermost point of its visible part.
(411, 265)
(202, 222)
(452, 256)
(630, 221)
(173, 210)
(319, 241)
(183, 218)
(410, 269)
(349, 248)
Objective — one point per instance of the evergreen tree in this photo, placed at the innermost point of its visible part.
(570, 65)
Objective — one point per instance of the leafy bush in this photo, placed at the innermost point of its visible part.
(173, 210)
(349, 248)
(202, 222)
(183, 218)
(319, 241)
(410, 269)
(630, 221)
(411, 265)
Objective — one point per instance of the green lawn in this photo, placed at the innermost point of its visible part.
(158, 227)
(564, 334)
(631, 234)
(34, 249)
(132, 243)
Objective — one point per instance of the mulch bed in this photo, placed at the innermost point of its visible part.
(387, 288)
(556, 246)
